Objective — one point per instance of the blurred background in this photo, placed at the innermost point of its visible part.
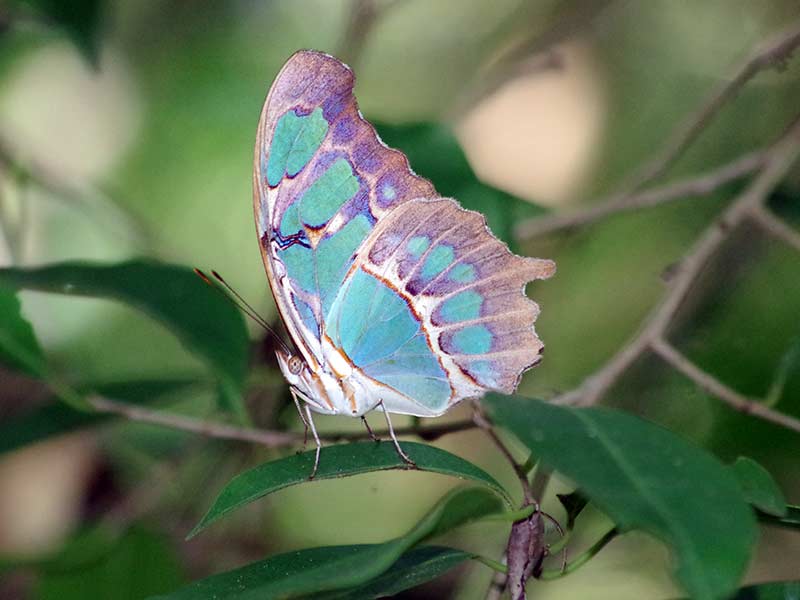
(127, 129)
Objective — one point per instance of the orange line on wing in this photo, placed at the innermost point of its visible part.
(349, 393)
(321, 392)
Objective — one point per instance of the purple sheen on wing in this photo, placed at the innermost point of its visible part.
(366, 156)
(359, 205)
(344, 131)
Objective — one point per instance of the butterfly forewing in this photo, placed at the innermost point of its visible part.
(322, 179)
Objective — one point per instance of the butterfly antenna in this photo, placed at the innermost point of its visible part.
(242, 304)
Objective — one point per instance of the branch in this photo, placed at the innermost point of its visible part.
(532, 54)
(776, 227)
(263, 437)
(526, 543)
(773, 52)
(702, 185)
(271, 439)
(497, 586)
(715, 387)
(482, 421)
(363, 17)
(499, 582)
(781, 158)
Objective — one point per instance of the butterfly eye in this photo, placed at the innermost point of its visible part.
(295, 365)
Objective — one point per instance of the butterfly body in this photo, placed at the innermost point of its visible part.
(393, 295)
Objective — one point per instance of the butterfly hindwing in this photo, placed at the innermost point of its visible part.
(440, 305)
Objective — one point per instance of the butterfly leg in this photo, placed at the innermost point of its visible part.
(397, 447)
(302, 416)
(372, 435)
(316, 439)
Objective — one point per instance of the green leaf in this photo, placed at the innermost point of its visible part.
(644, 477)
(789, 363)
(314, 570)
(139, 565)
(19, 347)
(784, 590)
(435, 154)
(413, 568)
(573, 503)
(759, 487)
(343, 460)
(199, 315)
(790, 520)
(80, 20)
(57, 418)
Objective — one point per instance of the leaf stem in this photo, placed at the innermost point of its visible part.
(495, 565)
(582, 559)
(512, 516)
(482, 421)
(559, 544)
(530, 464)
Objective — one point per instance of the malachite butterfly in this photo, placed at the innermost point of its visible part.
(394, 296)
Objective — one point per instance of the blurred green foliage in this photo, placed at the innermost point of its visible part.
(179, 190)
(139, 565)
(19, 347)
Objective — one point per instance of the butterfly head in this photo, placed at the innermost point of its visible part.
(294, 368)
(295, 364)
(300, 376)
(326, 391)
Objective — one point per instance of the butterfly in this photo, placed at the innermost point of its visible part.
(395, 298)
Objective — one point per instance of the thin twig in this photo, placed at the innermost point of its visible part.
(271, 439)
(532, 494)
(697, 186)
(363, 17)
(776, 227)
(782, 157)
(773, 52)
(540, 480)
(482, 421)
(536, 53)
(715, 387)
(263, 437)
(497, 586)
